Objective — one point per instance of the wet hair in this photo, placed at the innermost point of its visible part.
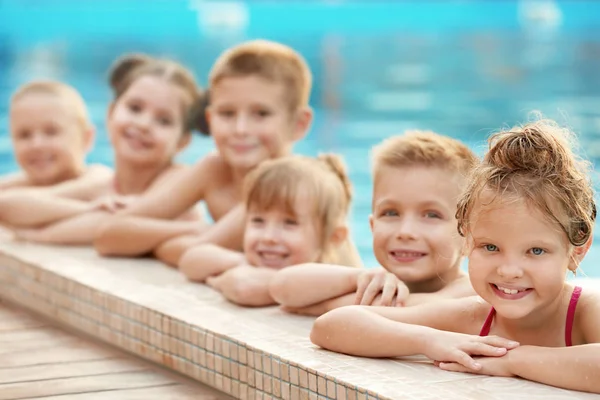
(271, 61)
(424, 148)
(62, 91)
(129, 68)
(535, 162)
(280, 183)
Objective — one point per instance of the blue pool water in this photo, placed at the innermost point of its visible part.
(463, 68)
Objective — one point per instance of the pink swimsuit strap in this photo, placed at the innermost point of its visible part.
(487, 325)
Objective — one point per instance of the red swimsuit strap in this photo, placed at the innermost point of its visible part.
(571, 315)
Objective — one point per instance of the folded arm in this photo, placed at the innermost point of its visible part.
(208, 260)
(228, 233)
(150, 220)
(245, 285)
(306, 285)
(28, 209)
(574, 368)
(78, 230)
(357, 330)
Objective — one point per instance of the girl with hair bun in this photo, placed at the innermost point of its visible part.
(155, 107)
(296, 211)
(527, 216)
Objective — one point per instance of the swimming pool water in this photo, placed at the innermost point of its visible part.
(459, 68)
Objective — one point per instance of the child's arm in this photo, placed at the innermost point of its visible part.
(139, 229)
(428, 329)
(245, 285)
(457, 289)
(13, 181)
(306, 285)
(25, 209)
(574, 368)
(207, 260)
(78, 230)
(228, 233)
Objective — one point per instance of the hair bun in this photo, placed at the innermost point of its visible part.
(337, 165)
(123, 67)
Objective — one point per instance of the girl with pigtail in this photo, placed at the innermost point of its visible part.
(296, 212)
(149, 121)
(527, 216)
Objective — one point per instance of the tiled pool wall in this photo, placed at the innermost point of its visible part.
(151, 311)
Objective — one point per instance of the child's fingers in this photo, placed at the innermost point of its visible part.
(388, 293)
(484, 349)
(465, 360)
(402, 294)
(498, 341)
(452, 367)
(361, 287)
(372, 291)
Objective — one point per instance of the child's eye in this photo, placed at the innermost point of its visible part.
(263, 113)
(536, 251)
(135, 108)
(165, 121)
(226, 113)
(490, 247)
(24, 134)
(290, 221)
(389, 213)
(257, 220)
(433, 214)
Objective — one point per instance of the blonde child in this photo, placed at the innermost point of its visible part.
(148, 122)
(259, 94)
(417, 180)
(528, 215)
(296, 210)
(51, 134)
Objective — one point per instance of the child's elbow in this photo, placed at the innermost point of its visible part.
(280, 288)
(325, 328)
(191, 267)
(249, 294)
(103, 239)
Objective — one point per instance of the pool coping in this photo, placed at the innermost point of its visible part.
(136, 305)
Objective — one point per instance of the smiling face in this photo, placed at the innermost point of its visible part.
(276, 238)
(49, 139)
(146, 123)
(251, 122)
(413, 223)
(518, 258)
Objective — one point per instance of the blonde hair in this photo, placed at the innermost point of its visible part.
(126, 70)
(272, 61)
(281, 182)
(535, 162)
(62, 91)
(424, 148)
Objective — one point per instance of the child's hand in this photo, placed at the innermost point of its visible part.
(455, 350)
(112, 203)
(494, 366)
(375, 281)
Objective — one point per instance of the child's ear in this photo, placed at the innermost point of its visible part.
(371, 222)
(579, 253)
(89, 136)
(303, 122)
(339, 234)
(207, 113)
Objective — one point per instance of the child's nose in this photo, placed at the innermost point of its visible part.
(241, 124)
(510, 270)
(270, 233)
(406, 229)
